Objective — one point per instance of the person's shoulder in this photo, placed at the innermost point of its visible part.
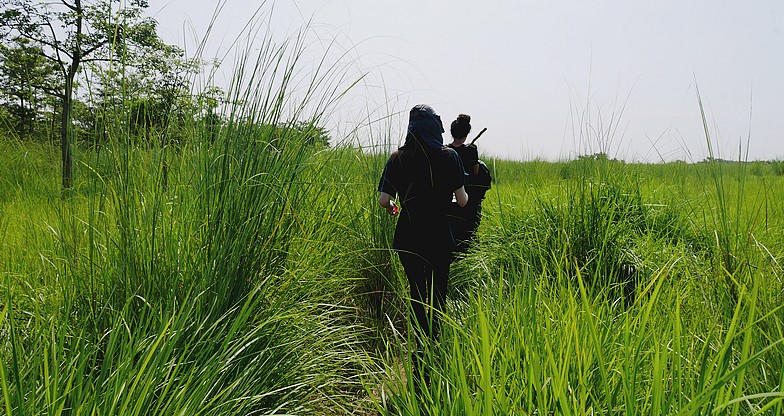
(448, 151)
(393, 158)
(472, 150)
(395, 155)
(450, 154)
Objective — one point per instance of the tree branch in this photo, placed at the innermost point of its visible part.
(52, 59)
(50, 91)
(55, 45)
(70, 6)
(93, 60)
(93, 49)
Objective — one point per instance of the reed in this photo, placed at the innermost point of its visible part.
(537, 324)
(178, 276)
(240, 269)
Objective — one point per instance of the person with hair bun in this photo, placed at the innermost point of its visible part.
(464, 220)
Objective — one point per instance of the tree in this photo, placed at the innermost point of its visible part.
(160, 89)
(26, 78)
(71, 33)
(313, 134)
(148, 97)
(208, 101)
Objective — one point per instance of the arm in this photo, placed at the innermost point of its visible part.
(475, 160)
(386, 202)
(459, 176)
(461, 196)
(386, 188)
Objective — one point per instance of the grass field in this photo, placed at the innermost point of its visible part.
(261, 282)
(245, 271)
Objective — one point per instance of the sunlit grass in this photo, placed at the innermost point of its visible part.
(244, 271)
(536, 329)
(530, 327)
(187, 277)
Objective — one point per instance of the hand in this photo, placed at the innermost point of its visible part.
(392, 209)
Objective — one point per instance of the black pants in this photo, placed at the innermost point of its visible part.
(463, 222)
(427, 277)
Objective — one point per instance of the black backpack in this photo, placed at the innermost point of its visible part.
(478, 185)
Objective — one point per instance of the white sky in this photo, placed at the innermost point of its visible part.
(549, 77)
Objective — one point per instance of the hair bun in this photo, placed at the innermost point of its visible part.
(461, 126)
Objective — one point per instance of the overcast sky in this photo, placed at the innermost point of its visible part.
(549, 79)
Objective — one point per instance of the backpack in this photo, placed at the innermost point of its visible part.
(478, 185)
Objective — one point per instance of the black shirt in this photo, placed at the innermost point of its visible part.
(425, 182)
(469, 155)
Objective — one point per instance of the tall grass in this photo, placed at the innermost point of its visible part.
(536, 323)
(189, 277)
(241, 270)
(531, 326)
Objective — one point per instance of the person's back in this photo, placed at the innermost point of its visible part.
(424, 175)
(425, 180)
(469, 155)
(465, 220)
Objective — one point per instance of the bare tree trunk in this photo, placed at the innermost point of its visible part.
(65, 124)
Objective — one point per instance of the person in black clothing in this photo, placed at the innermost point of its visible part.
(464, 220)
(424, 174)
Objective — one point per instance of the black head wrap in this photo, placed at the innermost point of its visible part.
(425, 126)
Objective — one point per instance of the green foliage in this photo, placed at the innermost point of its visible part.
(592, 226)
(149, 95)
(70, 34)
(186, 276)
(27, 79)
(269, 278)
(778, 167)
(245, 268)
(315, 136)
(534, 325)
